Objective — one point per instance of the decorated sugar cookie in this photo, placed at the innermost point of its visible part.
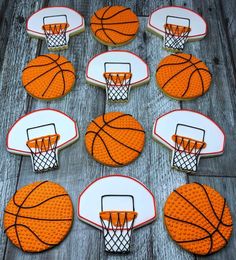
(190, 135)
(117, 71)
(114, 25)
(38, 216)
(40, 134)
(198, 219)
(55, 24)
(183, 76)
(115, 139)
(177, 25)
(117, 204)
(48, 76)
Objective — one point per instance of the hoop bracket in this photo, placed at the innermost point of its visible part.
(117, 226)
(117, 82)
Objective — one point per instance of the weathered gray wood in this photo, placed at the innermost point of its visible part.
(141, 8)
(13, 97)
(6, 9)
(226, 187)
(229, 22)
(219, 102)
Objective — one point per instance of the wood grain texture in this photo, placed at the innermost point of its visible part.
(14, 100)
(229, 21)
(86, 102)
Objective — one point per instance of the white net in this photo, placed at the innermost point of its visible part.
(118, 86)
(117, 229)
(44, 153)
(176, 35)
(186, 154)
(55, 33)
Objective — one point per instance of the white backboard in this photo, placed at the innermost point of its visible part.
(165, 127)
(157, 20)
(35, 21)
(65, 126)
(90, 200)
(95, 67)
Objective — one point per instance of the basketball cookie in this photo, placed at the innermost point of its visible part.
(182, 76)
(114, 25)
(48, 77)
(115, 139)
(198, 219)
(38, 217)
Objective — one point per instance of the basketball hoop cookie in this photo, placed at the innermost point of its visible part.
(198, 219)
(183, 76)
(177, 25)
(38, 216)
(115, 139)
(41, 134)
(48, 76)
(55, 24)
(114, 25)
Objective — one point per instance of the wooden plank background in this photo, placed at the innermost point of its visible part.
(84, 103)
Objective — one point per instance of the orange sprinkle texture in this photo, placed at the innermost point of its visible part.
(38, 216)
(114, 25)
(115, 139)
(183, 76)
(48, 76)
(198, 219)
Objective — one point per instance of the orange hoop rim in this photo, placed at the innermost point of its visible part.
(118, 218)
(188, 143)
(117, 74)
(47, 140)
(55, 28)
(177, 30)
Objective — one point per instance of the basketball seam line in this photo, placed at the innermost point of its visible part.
(62, 72)
(185, 61)
(55, 77)
(208, 198)
(42, 65)
(194, 71)
(126, 128)
(97, 134)
(45, 73)
(43, 219)
(115, 138)
(170, 64)
(115, 23)
(18, 211)
(177, 74)
(102, 26)
(49, 244)
(100, 128)
(113, 30)
(197, 70)
(189, 202)
(190, 223)
(121, 11)
(30, 207)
